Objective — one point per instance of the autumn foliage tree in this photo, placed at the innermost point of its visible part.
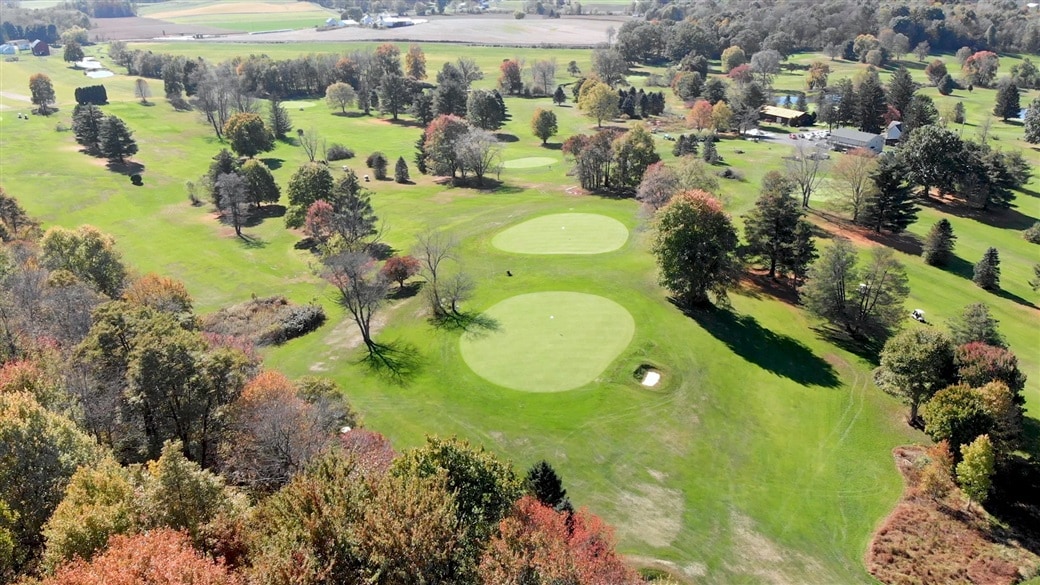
(400, 268)
(161, 293)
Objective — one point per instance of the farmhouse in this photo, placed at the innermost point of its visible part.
(847, 139)
(40, 48)
(785, 116)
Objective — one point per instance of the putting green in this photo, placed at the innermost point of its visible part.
(295, 104)
(564, 233)
(548, 341)
(529, 162)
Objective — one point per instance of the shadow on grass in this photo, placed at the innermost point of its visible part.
(1015, 298)
(867, 349)
(1004, 218)
(553, 146)
(252, 242)
(127, 167)
(504, 137)
(257, 215)
(782, 355)
(477, 324)
(405, 292)
(960, 267)
(396, 361)
(1017, 507)
(406, 123)
(273, 163)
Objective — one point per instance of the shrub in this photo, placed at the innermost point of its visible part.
(338, 152)
(519, 14)
(265, 321)
(377, 162)
(1032, 234)
(136, 179)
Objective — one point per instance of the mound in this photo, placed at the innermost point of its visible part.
(548, 341)
(564, 233)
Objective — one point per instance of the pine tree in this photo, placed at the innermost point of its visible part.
(987, 270)
(544, 483)
(871, 105)
(116, 139)
(938, 244)
(771, 228)
(560, 96)
(1032, 122)
(1008, 104)
(711, 155)
(279, 120)
(420, 154)
(401, 170)
(86, 124)
(890, 206)
(901, 90)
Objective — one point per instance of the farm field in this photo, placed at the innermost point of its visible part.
(763, 456)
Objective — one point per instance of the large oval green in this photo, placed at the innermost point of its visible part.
(564, 233)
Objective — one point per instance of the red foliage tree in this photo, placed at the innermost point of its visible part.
(741, 74)
(159, 557)
(979, 364)
(320, 217)
(400, 269)
(370, 451)
(511, 81)
(538, 542)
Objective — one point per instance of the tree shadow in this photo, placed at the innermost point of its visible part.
(780, 354)
(1000, 217)
(1018, 506)
(505, 137)
(406, 123)
(960, 267)
(273, 163)
(405, 292)
(351, 114)
(127, 167)
(258, 215)
(380, 250)
(397, 361)
(476, 324)
(1015, 298)
(1027, 191)
(757, 283)
(252, 242)
(553, 146)
(867, 349)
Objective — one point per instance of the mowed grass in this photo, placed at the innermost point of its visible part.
(568, 338)
(763, 456)
(240, 15)
(564, 233)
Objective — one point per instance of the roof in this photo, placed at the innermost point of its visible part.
(850, 136)
(894, 130)
(778, 112)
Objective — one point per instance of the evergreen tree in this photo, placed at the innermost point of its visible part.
(987, 270)
(891, 205)
(1008, 104)
(543, 482)
(901, 90)
(938, 244)
(560, 96)
(422, 108)
(848, 103)
(871, 105)
(116, 140)
(223, 163)
(644, 104)
(420, 155)
(771, 228)
(401, 170)
(711, 155)
(920, 112)
(86, 125)
(975, 324)
(279, 120)
(946, 85)
(1032, 123)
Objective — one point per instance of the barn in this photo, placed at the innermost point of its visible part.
(39, 48)
(785, 116)
(848, 139)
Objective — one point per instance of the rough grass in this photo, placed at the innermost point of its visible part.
(927, 541)
(265, 321)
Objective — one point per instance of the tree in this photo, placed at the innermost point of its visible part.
(658, 186)
(441, 138)
(160, 293)
(695, 245)
(559, 97)
(915, 364)
(543, 73)
(946, 85)
(732, 57)
(765, 65)
(938, 244)
(41, 93)
(422, 107)
(378, 163)
(116, 140)
(511, 78)
(976, 324)
(931, 156)
(159, 557)
(478, 150)
(851, 173)
(142, 91)
(975, 471)
(987, 270)
(234, 204)
(73, 52)
(901, 88)
(1034, 283)
(921, 50)
(40, 451)
(259, 183)
(543, 483)
(699, 116)
(86, 125)
(633, 152)
(308, 184)
(710, 154)
(871, 104)
(598, 101)
(278, 120)
(485, 109)
(401, 171)
(937, 476)
(400, 268)
(935, 71)
(957, 414)
(920, 112)
(340, 95)
(864, 302)
(395, 94)
(248, 135)
(805, 170)
(415, 63)
(434, 248)
(87, 253)
(889, 205)
(609, 66)
(771, 228)
(979, 364)
(1032, 122)
(353, 218)
(981, 68)
(1008, 104)
(362, 290)
(816, 78)
(543, 124)
(311, 142)
(721, 116)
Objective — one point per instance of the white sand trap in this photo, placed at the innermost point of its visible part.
(99, 74)
(651, 379)
(529, 162)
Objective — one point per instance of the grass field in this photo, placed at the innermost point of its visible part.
(568, 339)
(563, 233)
(764, 456)
(240, 15)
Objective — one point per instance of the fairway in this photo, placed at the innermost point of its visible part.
(564, 233)
(529, 162)
(548, 341)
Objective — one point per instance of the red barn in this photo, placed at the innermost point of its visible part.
(39, 48)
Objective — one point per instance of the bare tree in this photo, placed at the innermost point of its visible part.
(543, 74)
(457, 289)
(611, 31)
(212, 99)
(469, 69)
(433, 249)
(362, 290)
(234, 196)
(806, 168)
(851, 178)
(478, 150)
(142, 91)
(310, 141)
